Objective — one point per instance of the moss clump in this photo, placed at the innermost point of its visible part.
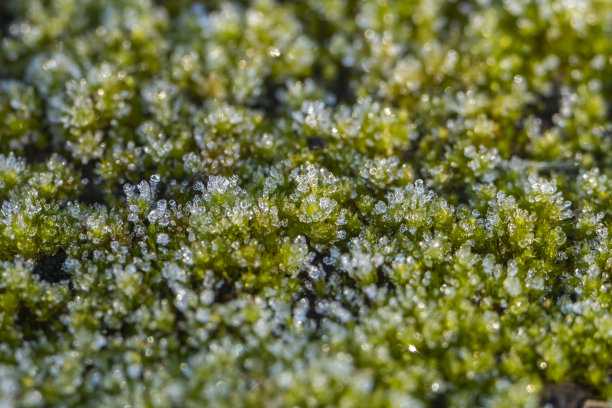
(315, 203)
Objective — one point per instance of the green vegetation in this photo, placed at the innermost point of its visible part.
(309, 203)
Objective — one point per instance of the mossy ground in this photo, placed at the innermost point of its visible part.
(310, 203)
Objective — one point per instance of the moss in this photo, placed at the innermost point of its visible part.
(314, 203)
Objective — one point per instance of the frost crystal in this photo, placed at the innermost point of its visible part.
(163, 239)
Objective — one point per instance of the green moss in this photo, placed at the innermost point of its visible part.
(310, 203)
